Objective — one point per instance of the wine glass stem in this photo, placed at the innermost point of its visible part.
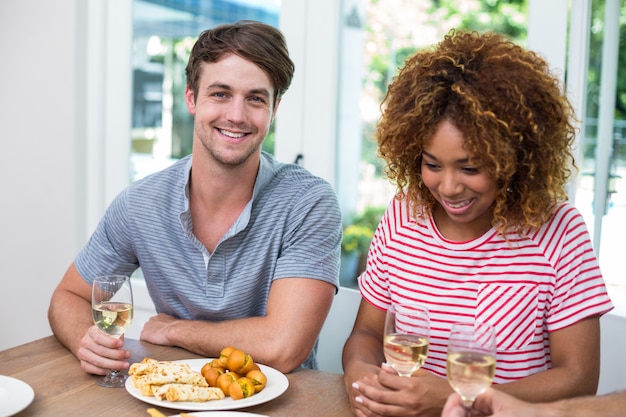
(467, 404)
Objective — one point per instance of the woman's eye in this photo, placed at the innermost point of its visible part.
(471, 170)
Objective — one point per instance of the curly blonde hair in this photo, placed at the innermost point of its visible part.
(517, 123)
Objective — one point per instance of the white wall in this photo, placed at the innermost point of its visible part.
(65, 118)
(37, 154)
(306, 121)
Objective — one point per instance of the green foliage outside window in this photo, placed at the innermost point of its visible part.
(356, 239)
(391, 39)
(357, 236)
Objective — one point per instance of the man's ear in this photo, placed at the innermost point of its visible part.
(190, 101)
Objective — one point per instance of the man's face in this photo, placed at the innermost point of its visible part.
(233, 109)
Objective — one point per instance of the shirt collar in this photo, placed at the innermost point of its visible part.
(264, 176)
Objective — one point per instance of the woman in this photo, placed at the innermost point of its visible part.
(477, 137)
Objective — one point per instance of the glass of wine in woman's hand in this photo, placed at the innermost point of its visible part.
(112, 310)
(471, 361)
(406, 339)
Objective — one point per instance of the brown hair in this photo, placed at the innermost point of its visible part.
(517, 123)
(261, 44)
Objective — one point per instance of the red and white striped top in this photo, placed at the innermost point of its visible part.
(534, 284)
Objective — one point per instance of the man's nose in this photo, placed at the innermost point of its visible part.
(236, 112)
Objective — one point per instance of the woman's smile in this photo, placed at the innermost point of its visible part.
(458, 207)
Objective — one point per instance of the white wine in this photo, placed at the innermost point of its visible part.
(470, 373)
(405, 352)
(113, 318)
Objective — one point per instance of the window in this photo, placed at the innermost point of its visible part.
(331, 108)
(367, 64)
(601, 186)
(389, 37)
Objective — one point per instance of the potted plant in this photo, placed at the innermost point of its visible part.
(357, 237)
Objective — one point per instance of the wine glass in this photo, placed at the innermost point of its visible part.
(471, 360)
(406, 338)
(112, 310)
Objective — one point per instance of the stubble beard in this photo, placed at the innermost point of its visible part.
(228, 157)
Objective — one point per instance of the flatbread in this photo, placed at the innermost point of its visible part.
(185, 392)
(167, 375)
(172, 381)
(151, 366)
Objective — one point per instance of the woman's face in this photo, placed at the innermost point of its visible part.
(465, 194)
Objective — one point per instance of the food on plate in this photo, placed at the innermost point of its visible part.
(234, 374)
(239, 361)
(211, 373)
(224, 354)
(148, 365)
(162, 372)
(258, 378)
(232, 365)
(241, 388)
(163, 375)
(185, 392)
(224, 380)
(175, 380)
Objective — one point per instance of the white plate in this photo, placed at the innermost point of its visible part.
(15, 395)
(277, 383)
(223, 414)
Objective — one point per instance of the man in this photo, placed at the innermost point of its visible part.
(236, 248)
(498, 404)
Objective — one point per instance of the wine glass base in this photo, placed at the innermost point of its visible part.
(117, 380)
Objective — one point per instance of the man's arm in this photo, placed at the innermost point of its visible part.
(283, 339)
(69, 312)
(71, 321)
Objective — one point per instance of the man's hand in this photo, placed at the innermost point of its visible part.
(99, 353)
(155, 329)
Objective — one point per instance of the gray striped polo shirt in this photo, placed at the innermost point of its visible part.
(290, 228)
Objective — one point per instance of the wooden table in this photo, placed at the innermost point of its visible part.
(62, 388)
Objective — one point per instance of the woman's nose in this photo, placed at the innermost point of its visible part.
(449, 184)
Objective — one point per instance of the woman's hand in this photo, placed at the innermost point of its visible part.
(384, 393)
